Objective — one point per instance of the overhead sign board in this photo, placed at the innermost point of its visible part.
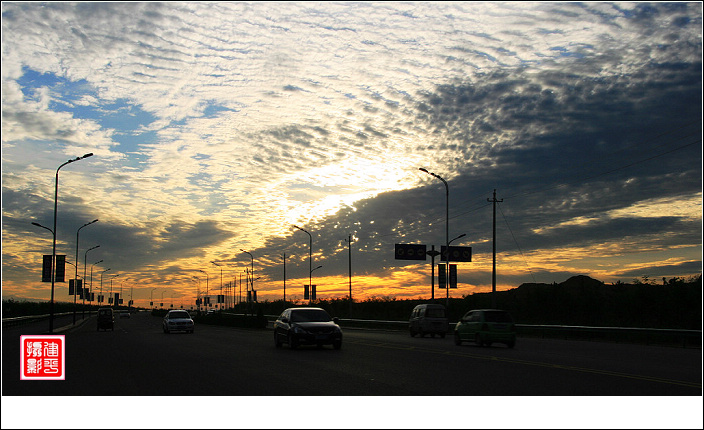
(457, 253)
(409, 252)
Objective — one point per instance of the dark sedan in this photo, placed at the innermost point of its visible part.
(307, 326)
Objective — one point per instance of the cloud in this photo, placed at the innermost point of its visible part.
(216, 126)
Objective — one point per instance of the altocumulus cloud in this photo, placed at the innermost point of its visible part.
(216, 126)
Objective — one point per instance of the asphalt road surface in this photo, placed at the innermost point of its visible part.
(138, 359)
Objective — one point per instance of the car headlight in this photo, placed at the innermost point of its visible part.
(299, 330)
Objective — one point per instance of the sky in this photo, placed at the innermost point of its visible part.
(217, 127)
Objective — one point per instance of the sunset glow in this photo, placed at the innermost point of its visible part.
(216, 127)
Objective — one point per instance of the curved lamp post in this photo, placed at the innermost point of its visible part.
(85, 266)
(447, 223)
(223, 304)
(101, 284)
(75, 278)
(53, 248)
(51, 304)
(207, 292)
(310, 257)
(252, 273)
(91, 276)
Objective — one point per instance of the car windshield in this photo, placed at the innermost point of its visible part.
(498, 316)
(310, 315)
(179, 315)
(435, 313)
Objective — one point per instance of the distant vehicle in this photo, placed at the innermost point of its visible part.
(307, 326)
(485, 326)
(428, 319)
(106, 319)
(178, 320)
(125, 314)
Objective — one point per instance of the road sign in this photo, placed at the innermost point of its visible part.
(410, 252)
(459, 254)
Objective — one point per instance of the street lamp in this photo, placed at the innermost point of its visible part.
(252, 276)
(207, 290)
(75, 278)
(53, 248)
(85, 266)
(101, 284)
(51, 305)
(198, 293)
(447, 223)
(220, 280)
(310, 257)
(91, 277)
(151, 298)
(111, 295)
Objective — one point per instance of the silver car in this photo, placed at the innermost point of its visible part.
(178, 320)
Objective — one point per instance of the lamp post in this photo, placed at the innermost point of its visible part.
(101, 284)
(113, 297)
(91, 276)
(252, 271)
(310, 297)
(447, 222)
(75, 278)
(310, 257)
(151, 298)
(53, 248)
(197, 293)
(51, 304)
(85, 266)
(447, 284)
(223, 304)
(207, 292)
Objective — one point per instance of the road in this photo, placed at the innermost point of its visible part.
(138, 359)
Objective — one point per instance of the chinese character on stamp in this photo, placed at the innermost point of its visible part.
(42, 357)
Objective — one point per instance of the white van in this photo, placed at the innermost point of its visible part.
(428, 319)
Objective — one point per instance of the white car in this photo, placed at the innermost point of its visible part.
(178, 320)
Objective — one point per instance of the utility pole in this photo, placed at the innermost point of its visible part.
(493, 271)
(284, 278)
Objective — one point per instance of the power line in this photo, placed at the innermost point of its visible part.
(517, 245)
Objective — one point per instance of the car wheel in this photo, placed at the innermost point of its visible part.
(478, 339)
(413, 333)
(276, 340)
(442, 335)
(458, 341)
(292, 342)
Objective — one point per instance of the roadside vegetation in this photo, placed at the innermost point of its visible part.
(673, 304)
